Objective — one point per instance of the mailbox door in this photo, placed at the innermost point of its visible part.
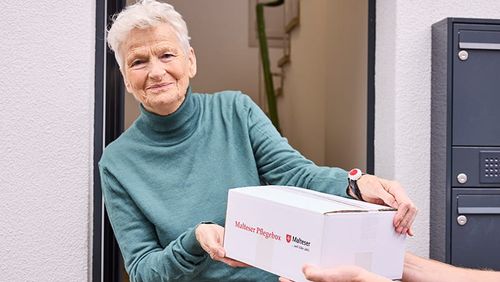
(476, 85)
(475, 228)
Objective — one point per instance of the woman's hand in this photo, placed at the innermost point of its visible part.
(348, 273)
(210, 237)
(381, 191)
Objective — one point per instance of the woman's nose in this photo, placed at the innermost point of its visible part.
(157, 70)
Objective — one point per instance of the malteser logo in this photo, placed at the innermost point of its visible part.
(298, 240)
(298, 243)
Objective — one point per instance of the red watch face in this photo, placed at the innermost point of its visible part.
(355, 174)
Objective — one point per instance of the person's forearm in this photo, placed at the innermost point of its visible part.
(371, 277)
(474, 275)
(424, 270)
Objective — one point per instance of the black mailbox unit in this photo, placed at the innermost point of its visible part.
(465, 142)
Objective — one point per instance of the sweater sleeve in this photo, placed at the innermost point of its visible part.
(279, 164)
(145, 259)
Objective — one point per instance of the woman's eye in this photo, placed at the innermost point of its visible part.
(167, 56)
(136, 63)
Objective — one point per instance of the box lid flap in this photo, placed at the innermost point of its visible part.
(309, 199)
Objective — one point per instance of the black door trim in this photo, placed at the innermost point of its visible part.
(106, 260)
(98, 137)
(370, 124)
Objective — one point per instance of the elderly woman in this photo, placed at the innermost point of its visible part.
(165, 179)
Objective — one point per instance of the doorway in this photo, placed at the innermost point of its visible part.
(238, 68)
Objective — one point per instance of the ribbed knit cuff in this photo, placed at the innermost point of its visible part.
(190, 244)
(344, 183)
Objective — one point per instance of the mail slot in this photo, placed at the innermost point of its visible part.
(478, 204)
(476, 228)
(481, 40)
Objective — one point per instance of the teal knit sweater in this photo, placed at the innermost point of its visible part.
(166, 174)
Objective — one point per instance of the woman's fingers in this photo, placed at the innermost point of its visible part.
(210, 238)
(406, 213)
(407, 220)
(373, 191)
(388, 199)
(376, 190)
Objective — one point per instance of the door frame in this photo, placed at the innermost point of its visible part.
(108, 125)
(370, 123)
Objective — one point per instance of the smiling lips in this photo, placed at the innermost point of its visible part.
(159, 86)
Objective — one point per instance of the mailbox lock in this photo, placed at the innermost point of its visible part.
(462, 220)
(463, 55)
(462, 178)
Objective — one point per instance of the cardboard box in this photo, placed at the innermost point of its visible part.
(279, 229)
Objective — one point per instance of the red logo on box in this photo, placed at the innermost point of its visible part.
(288, 238)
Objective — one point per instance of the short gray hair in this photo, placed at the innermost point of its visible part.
(145, 14)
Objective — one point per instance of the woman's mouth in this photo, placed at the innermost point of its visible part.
(157, 87)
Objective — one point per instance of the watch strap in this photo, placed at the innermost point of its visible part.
(353, 185)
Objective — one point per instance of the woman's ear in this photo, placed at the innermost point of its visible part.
(192, 62)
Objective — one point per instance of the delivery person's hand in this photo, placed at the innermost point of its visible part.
(382, 191)
(210, 237)
(348, 273)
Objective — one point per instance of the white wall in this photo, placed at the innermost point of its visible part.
(46, 123)
(403, 92)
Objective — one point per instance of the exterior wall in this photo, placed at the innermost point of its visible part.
(46, 123)
(403, 93)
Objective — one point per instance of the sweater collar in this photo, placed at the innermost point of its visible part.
(175, 126)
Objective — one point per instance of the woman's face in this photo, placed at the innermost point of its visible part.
(155, 68)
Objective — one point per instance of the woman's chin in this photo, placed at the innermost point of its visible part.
(167, 104)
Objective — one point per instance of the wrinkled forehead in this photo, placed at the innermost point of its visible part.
(137, 38)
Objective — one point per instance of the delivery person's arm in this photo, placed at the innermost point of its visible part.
(425, 270)
(416, 269)
(347, 273)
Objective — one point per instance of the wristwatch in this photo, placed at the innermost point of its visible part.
(353, 176)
